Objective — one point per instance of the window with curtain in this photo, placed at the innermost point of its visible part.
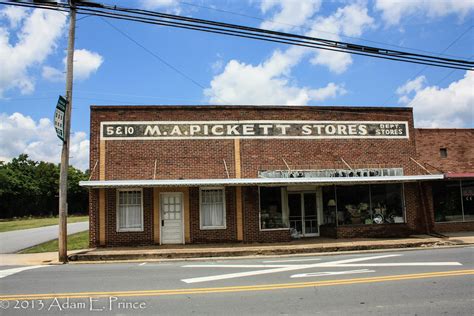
(212, 208)
(129, 210)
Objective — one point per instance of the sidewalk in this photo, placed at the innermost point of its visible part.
(304, 246)
(14, 259)
(188, 252)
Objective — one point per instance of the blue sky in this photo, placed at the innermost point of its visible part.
(215, 69)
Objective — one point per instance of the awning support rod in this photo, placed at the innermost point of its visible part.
(154, 170)
(226, 170)
(346, 163)
(289, 169)
(420, 165)
(93, 169)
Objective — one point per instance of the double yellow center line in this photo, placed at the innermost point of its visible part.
(246, 288)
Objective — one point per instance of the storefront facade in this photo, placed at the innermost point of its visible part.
(202, 174)
(451, 152)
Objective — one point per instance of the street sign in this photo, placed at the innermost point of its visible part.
(59, 117)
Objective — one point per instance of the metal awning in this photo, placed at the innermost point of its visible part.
(254, 181)
(459, 175)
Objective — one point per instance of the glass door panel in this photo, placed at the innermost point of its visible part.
(310, 214)
(294, 206)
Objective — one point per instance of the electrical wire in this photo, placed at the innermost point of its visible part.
(307, 28)
(425, 67)
(454, 64)
(156, 18)
(275, 33)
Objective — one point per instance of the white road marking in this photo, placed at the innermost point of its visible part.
(242, 274)
(401, 264)
(316, 274)
(142, 264)
(268, 271)
(270, 268)
(240, 265)
(7, 272)
(292, 260)
(360, 259)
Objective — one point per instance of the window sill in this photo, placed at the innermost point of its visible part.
(213, 228)
(272, 229)
(129, 230)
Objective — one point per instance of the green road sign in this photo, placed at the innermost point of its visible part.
(59, 117)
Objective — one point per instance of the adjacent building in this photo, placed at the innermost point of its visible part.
(211, 174)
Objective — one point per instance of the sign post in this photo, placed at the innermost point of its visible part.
(60, 117)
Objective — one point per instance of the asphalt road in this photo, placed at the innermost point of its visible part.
(14, 241)
(421, 282)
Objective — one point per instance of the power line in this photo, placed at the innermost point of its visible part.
(349, 48)
(158, 57)
(153, 54)
(425, 67)
(438, 82)
(280, 35)
(156, 18)
(308, 28)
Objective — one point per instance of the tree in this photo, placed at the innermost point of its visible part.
(30, 188)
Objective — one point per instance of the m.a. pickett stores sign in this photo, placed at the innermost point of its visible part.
(252, 129)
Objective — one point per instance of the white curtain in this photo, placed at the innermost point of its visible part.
(130, 210)
(212, 208)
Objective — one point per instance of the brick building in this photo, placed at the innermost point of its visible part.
(196, 174)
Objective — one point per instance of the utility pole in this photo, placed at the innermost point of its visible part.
(67, 131)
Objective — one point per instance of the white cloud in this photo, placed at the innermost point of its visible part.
(37, 37)
(350, 20)
(266, 83)
(393, 11)
(171, 6)
(217, 65)
(53, 74)
(433, 106)
(85, 64)
(21, 134)
(414, 85)
(14, 15)
(270, 82)
(292, 13)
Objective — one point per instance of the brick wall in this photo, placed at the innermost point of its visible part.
(374, 231)
(450, 227)
(187, 159)
(458, 142)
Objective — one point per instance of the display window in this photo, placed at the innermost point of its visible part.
(272, 213)
(453, 201)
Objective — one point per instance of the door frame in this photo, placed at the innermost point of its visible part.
(318, 199)
(182, 215)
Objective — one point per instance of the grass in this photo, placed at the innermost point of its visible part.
(74, 242)
(25, 223)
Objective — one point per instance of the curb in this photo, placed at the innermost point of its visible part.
(114, 257)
